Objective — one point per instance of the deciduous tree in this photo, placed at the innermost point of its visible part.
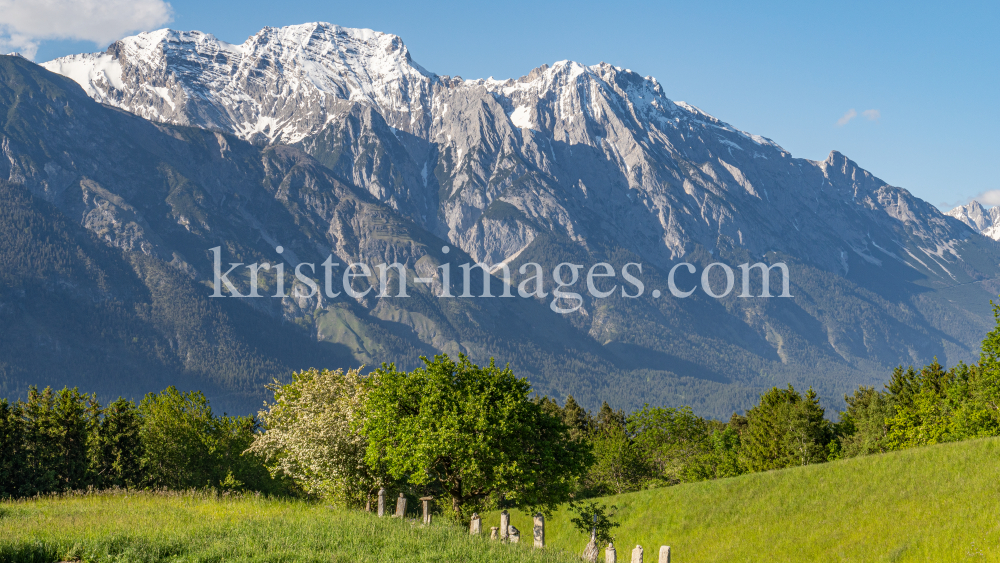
(312, 433)
(470, 432)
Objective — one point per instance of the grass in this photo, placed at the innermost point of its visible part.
(188, 527)
(940, 503)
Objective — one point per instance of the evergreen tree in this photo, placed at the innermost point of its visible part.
(73, 415)
(785, 430)
(549, 406)
(864, 425)
(985, 388)
(39, 457)
(575, 418)
(903, 385)
(117, 447)
(607, 417)
(11, 450)
(939, 406)
(238, 468)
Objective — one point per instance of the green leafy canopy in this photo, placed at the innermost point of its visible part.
(470, 433)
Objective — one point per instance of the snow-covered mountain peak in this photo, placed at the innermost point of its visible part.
(340, 48)
(306, 33)
(278, 86)
(979, 218)
(284, 84)
(150, 47)
(569, 146)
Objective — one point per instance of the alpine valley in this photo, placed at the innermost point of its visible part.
(121, 170)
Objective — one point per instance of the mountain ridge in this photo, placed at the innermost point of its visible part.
(412, 102)
(405, 97)
(586, 164)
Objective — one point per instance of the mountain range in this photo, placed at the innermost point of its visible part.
(329, 141)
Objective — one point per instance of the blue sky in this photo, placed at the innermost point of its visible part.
(927, 74)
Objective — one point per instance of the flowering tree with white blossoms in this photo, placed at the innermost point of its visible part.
(312, 434)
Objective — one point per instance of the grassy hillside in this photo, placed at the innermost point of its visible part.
(925, 504)
(193, 527)
(940, 503)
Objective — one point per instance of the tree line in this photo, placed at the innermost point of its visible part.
(474, 436)
(657, 446)
(66, 440)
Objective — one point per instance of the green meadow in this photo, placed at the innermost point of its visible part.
(937, 503)
(190, 527)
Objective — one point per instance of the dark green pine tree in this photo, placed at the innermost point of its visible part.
(40, 452)
(72, 418)
(116, 450)
(784, 430)
(575, 418)
(11, 450)
(607, 417)
(550, 407)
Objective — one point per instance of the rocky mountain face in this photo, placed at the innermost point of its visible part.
(980, 219)
(128, 212)
(324, 140)
(572, 148)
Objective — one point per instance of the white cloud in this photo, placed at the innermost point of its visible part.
(869, 114)
(16, 42)
(851, 114)
(989, 197)
(25, 23)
